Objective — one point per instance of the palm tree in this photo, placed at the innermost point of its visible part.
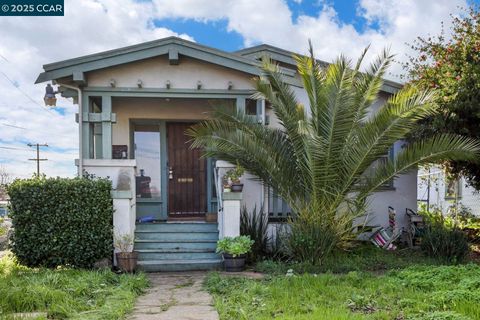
(320, 160)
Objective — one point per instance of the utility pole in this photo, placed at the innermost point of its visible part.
(37, 159)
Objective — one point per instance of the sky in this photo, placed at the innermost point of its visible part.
(89, 26)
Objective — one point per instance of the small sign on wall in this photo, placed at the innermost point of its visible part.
(119, 151)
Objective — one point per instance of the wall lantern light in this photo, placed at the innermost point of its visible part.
(49, 98)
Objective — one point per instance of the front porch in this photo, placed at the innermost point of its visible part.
(162, 188)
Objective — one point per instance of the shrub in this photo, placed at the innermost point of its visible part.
(60, 221)
(315, 233)
(443, 239)
(255, 225)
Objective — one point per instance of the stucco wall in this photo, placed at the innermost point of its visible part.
(158, 109)
(156, 71)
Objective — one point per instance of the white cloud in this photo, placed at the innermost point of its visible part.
(270, 21)
(95, 25)
(29, 42)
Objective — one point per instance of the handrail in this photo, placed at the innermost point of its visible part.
(218, 189)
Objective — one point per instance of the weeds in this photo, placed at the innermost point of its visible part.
(66, 293)
(417, 292)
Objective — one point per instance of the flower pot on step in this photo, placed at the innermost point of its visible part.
(234, 264)
(237, 187)
(127, 261)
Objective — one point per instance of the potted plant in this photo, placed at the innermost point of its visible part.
(234, 251)
(126, 257)
(233, 175)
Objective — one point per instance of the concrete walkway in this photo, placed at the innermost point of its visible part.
(176, 296)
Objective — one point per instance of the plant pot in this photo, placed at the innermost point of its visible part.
(237, 187)
(234, 264)
(227, 189)
(211, 217)
(127, 261)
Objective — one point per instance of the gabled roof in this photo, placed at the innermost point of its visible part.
(245, 60)
(277, 54)
(173, 46)
(285, 56)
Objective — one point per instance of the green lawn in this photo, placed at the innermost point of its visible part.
(66, 293)
(424, 290)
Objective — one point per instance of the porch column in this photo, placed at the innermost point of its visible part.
(240, 104)
(261, 111)
(106, 127)
(231, 211)
(86, 143)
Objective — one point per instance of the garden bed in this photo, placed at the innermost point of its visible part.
(66, 293)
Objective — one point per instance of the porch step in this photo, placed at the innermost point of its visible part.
(176, 236)
(180, 265)
(178, 246)
(177, 227)
(192, 254)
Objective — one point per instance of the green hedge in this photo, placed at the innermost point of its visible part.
(61, 221)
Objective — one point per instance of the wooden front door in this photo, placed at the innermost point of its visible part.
(187, 183)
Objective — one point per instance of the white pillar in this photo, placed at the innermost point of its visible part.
(231, 213)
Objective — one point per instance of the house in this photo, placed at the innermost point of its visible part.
(436, 189)
(134, 106)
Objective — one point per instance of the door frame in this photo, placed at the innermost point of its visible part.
(162, 125)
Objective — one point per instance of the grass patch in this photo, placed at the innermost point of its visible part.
(363, 258)
(416, 292)
(66, 293)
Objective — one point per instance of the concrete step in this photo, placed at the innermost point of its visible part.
(178, 227)
(148, 255)
(180, 265)
(176, 236)
(184, 245)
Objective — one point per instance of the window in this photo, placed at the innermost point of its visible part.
(251, 107)
(278, 209)
(453, 189)
(147, 153)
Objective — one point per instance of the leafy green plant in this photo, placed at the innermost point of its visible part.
(234, 174)
(123, 242)
(255, 225)
(61, 221)
(323, 154)
(235, 246)
(451, 65)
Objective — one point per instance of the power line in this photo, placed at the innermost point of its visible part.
(12, 126)
(13, 148)
(37, 159)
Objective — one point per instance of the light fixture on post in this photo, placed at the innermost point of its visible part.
(230, 85)
(49, 98)
(199, 85)
(113, 83)
(168, 85)
(139, 83)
